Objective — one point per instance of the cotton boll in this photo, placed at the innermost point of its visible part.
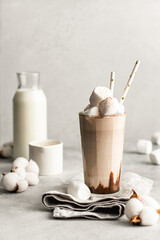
(7, 151)
(8, 144)
(20, 162)
(22, 185)
(32, 167)
(32, 178)
(99, 94)
(9, 181)
(133, 208)
(20, 171)
(148, 216)
(149, 201)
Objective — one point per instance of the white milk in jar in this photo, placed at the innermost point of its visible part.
(29, 113)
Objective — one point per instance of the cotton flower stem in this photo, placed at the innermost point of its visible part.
(135, 195)
(135, 219)
(16, 188)
(13, 169)
(158, 211)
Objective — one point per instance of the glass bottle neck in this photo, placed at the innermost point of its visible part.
(28, 80)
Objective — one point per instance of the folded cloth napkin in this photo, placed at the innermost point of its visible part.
(110, 206)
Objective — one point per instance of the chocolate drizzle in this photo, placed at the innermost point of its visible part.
(112, 187)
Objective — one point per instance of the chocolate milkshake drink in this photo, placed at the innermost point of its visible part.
(102, 149)
(102, 127)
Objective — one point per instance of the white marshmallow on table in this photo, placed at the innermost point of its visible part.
(111, 106)
(92, 111)
(99, 94)
(144, 146)
(155, 156)
(156, 138)
(79, 190)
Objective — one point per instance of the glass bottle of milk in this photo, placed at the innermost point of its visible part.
(29, 113)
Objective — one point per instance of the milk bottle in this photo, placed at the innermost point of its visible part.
(29, 113)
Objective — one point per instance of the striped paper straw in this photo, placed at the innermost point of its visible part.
(130, 80)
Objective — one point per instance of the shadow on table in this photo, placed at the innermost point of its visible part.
(6, 160)
(2, 190)
(131, 152)
(124, 222)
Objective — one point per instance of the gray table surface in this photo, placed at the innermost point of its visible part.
(22, 216)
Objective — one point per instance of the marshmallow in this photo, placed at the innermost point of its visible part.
(144, 146)
(111, 106)
(99, 94)
(93, 111)
(155, 156)
(79, 190)
(156, 138)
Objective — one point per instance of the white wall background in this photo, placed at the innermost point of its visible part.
(75, 44)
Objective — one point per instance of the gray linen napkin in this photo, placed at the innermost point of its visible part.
(110, 206)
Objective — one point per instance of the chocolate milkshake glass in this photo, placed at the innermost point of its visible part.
(102, 141)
